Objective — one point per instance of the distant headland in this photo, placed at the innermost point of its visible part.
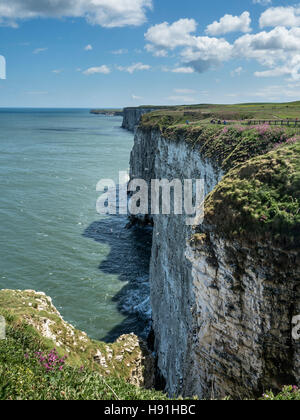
(108, 112)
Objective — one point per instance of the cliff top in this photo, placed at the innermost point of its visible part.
(43, 357)
(261, 191)
(260, 199)
(204, 113)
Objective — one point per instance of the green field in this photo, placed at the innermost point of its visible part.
(243, 113)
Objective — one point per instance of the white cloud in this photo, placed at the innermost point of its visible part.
(269, 48)
(171, 36)
(197, 53)
(230, 23)
(89, 47)
(276, 50)
(262, 2)
(277, 92)
(156, 51)
(237, 72)
(57, 71)
(120, 51)
(184, 91)
(97, 70)
(39, 50)
(185, 70)
(291, 69)
(107, 13)
(134, 67)
(181, 99)
(135, 97)
(280, 16)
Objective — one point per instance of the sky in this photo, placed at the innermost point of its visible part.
(116, 53)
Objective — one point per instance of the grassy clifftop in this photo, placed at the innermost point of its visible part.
(261, 191)
(261, 197)
(199, 114)
(43, 357)
(34, 367)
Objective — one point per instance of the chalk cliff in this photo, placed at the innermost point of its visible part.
(132, 117)
(223, 294)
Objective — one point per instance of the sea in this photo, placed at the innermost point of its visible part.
(52, 239)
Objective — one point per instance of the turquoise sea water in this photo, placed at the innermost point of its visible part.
(51, 237)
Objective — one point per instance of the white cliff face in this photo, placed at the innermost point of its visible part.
(244, 301)
(221, 310)
(132, 117)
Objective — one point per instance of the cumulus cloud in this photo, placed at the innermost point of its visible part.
(276, 50)
(269, 47)
(280, 16)
(107, 13)
(97, 70)
(291, 69)
(134, 67)
(229, 23)
(166, 36)
(89, 47)
(197, 53)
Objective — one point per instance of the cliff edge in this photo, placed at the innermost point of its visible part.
(224, 293)
(44, 357)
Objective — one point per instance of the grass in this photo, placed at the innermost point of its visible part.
(229, 146)
(261, 190)
(203, 113)
(289, 393)
(22, 376)
(261, 196)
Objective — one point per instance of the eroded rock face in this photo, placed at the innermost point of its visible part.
(222, 311)
(245, 298)
(132, 116)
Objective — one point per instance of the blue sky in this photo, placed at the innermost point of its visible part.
(115, 53)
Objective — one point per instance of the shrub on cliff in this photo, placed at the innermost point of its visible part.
(261, 196)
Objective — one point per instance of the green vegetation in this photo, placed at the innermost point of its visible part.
(31, 369)
(289, 393)
(22, 376)
(231, 145)
(261, 196)
(261, 191)
(204, 113)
